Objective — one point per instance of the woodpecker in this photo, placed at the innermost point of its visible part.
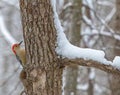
(19, 53)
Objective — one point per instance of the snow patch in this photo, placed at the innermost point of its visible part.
(92, 74)
(116, 62)
(82, 86)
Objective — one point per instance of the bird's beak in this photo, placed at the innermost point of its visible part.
(20, 43)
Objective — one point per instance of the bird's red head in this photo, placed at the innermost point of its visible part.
(14, 46)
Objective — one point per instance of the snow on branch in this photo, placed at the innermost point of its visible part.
(81, 56)
(5, 32)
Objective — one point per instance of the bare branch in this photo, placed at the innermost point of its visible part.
(101, 20)
(91, 63)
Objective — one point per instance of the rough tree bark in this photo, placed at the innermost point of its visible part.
(43, 74)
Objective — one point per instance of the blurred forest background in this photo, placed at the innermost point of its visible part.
(88, 24)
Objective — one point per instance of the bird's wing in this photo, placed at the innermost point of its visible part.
(19, 59)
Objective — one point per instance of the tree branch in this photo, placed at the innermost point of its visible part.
(91, 63)
(96, 58)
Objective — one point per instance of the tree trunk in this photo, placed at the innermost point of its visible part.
(90, 89)
(43, 75)
(71, 72)
(115, 24)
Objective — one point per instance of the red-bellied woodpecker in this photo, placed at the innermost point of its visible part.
(19, 53)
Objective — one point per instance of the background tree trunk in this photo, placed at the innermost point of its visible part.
(73, 30)
(42, 70)
(115, 25)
